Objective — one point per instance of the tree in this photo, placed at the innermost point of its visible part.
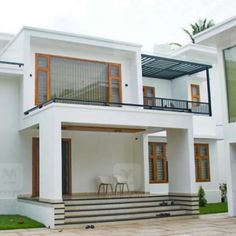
(198, 27)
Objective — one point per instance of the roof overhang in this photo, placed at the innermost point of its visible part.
(220, 35)
(169, 68)
(55, 35)
(12, 69)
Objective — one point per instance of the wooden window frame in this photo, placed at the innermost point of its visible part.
(198, 96)
(37, 70)
(145, 100)
(36, 166)
(111, 78)
(47, 70)
(200, 158)
(155, 163)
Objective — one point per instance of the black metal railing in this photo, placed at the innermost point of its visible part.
(12, 63)
(177, 105)
(151, 103)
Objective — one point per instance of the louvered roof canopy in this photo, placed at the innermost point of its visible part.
(168, 68)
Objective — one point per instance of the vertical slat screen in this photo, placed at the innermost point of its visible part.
(75, 79)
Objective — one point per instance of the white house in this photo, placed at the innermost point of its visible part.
(75, 107)
(223, 38)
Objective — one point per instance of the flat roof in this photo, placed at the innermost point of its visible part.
(218, 33)
(168, 68)
(70, 37)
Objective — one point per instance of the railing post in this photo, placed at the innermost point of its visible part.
(209, 91)
(187, 106)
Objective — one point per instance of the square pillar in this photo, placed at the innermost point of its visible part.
(180, 155)
(141, 162)
(231, 177)
(145, 163)
(50, 160)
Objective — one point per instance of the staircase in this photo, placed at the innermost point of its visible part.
(113, 208)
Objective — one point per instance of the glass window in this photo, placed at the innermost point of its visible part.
(42, 62)
(230, 72)
(43, 86)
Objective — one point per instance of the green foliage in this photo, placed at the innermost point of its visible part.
(201, 195)
(18, 222)
(223, 189)
(198, 27)
(212, 208)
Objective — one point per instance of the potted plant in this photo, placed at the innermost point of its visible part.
(223, 189)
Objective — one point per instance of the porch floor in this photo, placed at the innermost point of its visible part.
(82, 196)
(90, 196)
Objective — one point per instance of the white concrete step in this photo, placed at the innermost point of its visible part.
(119, 217)
(111, 200)
(114, 205)
(139, 209)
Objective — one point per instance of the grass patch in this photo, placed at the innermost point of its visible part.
(212, 208)
(18, 222)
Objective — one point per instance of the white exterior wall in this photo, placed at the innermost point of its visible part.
(212, 187)
(15, 167)
(130, 66)
(102, 154)
(162, 86)
(43, 213)
(15, 51)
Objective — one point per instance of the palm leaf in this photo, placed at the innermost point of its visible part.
(189, 34)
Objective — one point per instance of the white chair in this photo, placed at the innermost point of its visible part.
(121, 182)
(104, 183)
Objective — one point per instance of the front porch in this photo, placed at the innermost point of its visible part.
(81, 209)
(107, 151)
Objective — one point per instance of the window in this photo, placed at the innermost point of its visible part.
(230, 74)
(149, 96)
(202, 164)
(61, 77)
(157, 163)
(195, 93)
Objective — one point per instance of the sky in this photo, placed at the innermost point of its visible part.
(147, 22)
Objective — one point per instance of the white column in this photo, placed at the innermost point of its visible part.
(145, 163)
(180, 155)
(141, 162)
(50, 160)
(231, 177)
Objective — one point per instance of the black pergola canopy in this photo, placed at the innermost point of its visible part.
(167, 68)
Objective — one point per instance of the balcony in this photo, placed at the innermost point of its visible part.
(99, 84)
(153, 103)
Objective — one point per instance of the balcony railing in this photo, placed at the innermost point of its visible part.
(152, 103)
(176, 105)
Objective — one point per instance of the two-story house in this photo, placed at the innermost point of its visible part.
(75, 107)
